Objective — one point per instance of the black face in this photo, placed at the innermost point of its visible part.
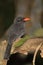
(19, 19)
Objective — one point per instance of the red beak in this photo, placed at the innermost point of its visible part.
(27, 19)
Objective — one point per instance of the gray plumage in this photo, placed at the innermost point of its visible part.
(16, 30)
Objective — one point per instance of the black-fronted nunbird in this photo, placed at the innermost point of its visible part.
(16, 30)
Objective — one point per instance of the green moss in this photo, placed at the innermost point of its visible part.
(21, 41)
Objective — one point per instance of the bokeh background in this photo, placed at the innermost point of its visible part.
(9, 9)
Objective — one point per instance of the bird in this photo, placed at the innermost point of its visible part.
(16, 30)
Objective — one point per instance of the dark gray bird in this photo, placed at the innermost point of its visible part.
(16, 30)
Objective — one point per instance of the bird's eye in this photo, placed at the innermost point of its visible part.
(19, 19)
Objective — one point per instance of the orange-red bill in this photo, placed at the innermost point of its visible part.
(27, 19)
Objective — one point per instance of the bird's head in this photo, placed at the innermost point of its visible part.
(22, 19)
(20, 24)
